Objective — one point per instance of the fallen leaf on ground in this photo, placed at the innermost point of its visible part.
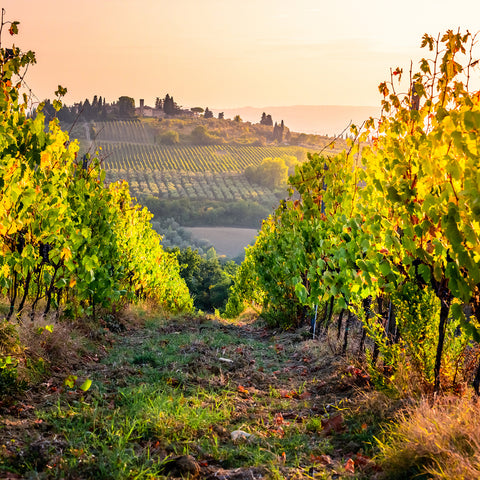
(350, 466)
(322, 459)
(333, 424)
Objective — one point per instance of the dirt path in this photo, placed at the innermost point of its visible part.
(293, 395)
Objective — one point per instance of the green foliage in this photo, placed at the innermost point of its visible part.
(173, 235)
(271, 173)
(395, 215)
(417, 313)
(126, 107)
(267, 278)
(201, 136)
(66, 239)
(10, 384)
(207, 279)
(212, 213)
(169, 138)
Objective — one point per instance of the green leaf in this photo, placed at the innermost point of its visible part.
(301, 292)
(385, 268)
(13, 30)
(392, 194)
(424, 271)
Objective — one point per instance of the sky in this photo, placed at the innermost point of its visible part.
(228, 53)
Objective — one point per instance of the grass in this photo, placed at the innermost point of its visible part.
(177, 387)
(435, 441)
(167, 391)
(169, 406)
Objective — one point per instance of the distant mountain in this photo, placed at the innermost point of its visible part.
(319, 119)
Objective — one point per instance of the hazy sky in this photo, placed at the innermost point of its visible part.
(228, 53)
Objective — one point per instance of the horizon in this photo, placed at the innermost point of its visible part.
(226, 55)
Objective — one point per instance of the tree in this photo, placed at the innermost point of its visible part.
(237, 118)
(266, 120)
(126, 106)
(201, 136)
(169, 137)
(271, 173)
(158, 104)
(169, 105)
(221, 115)
(197, 110)
(278, 131)
(207, 281)
(87, 109)
(208, 113)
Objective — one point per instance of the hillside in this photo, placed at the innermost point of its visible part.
(129, 151)
(192, 168)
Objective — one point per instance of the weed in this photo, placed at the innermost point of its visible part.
(8, 338)
(10, 384)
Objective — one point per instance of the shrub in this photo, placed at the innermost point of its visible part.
(169, 137)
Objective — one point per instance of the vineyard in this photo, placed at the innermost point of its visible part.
(352, 345)
(216, 159)
(67, 241)
(212, 172)
(193, 185)
(393, 227)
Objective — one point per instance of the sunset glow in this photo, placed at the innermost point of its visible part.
(225, 53)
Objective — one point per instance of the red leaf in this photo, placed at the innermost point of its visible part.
(285, 393)
(279, 419)
(322, 459)
(333, 425)
(361, 460)
(350, 466)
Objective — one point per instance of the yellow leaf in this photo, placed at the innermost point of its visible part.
(72, 283)
(66, 253)
(44, 160)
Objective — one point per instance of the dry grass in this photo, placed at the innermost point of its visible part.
(53, 344)
(9, 343)
(440, 440)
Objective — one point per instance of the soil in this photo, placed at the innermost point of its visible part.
(310, 375)
(226, 241)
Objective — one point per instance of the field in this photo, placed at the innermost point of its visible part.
(129, 151)
(205, 158)
(193, 185)
(226, 241)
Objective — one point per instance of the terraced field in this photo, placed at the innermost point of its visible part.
(205, 158)
(211, 172)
